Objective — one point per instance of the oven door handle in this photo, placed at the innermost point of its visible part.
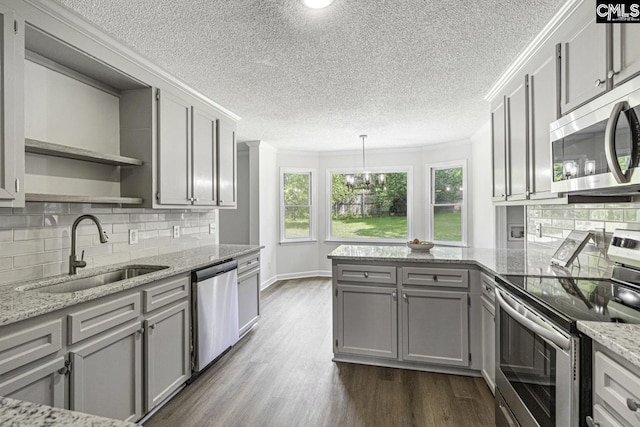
(533, 323)
(610, 144)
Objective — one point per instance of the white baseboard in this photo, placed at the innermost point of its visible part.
(290, 276)
(304, 274)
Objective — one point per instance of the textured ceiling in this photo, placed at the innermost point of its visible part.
(406, 72)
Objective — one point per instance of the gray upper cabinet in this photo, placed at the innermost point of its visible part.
(367, 321)
(106, 375)
(167, 353)
(543, 110)
(498, 137)
(227, 164)
(583, 58)
(435, 327)
(517, 141)
(626, 55)
(204, 155)
(11, 109)
(174, 149)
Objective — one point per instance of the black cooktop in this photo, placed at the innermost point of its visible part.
(566, 300)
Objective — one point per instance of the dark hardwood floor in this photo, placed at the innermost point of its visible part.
(281, 374)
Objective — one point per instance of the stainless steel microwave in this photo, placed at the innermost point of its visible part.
(596, 148)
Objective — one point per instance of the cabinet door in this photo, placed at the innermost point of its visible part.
(367, 321)
(435, 327)
(517, 141)
(626, 55)
(11, 109)
(248, 301)
(167, 354)
(583, 59)
(106, 375)
(498, 135)
(174, 150)
(227, 164)
(488, 343)
(204, 156)
(41, 384)
(543, 110)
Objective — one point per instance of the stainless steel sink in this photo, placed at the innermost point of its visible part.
(89, 282)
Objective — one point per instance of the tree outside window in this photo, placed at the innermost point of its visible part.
(296, 196)
(377, 213)
(447, 204)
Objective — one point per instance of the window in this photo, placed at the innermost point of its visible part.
(378, 213)
(296, 210)
(447, 203)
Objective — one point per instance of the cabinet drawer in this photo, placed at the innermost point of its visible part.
(488, 287)
(101, 317)
(166, 292)
(367, 274)
(617, 386)
(248, 262)
(440, 277)
(28, 345)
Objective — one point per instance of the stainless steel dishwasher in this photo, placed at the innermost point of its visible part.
(214, 291)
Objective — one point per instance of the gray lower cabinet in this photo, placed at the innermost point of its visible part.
(248, 301)
(489, 343)
(367, 321)
(43, 383)
(167, 353)
(106, 374)
(435, 327)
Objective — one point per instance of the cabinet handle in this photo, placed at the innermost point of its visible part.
(196, 199)
(394, 294)
(591, 423)
(66, 369)
(140, 331)
(221, 201)
(366, 274)
(599, 82)
(152, 326)
(612, 73)
(435, 278)
(404, 297)
(632, 404)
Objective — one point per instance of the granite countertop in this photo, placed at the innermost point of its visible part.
(623, 339)
(496, 261)
(23, 301)
(16, 413)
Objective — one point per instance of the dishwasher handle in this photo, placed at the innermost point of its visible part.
(213, 271)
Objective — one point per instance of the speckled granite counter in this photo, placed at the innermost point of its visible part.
(21, 301)
(15, 413)
(622, 339)
(496, 261)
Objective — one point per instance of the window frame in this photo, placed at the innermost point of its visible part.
(312, 198)
(373, 170)
(430, 199)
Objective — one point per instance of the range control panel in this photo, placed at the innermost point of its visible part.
(625, 247)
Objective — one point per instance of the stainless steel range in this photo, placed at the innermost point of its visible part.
(543, 363)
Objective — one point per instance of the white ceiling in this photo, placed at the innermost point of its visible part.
(405, 72)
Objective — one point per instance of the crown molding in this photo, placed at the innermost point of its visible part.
(532, 48)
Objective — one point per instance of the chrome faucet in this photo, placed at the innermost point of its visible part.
(74, 264)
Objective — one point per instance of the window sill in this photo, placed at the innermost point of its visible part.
(366, 242)
(297, 242)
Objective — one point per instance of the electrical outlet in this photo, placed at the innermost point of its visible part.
(133, 237)
(176, 231)
(212, 228)
(539, 230)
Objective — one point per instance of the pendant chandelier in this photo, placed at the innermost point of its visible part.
(365, 182)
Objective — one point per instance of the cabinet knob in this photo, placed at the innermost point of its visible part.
(152, 326)
(632, 404)
(221, 201)
(435, 278)
(196, 199)
(366, 274)
(612, 73)
(404, 297)
(591, 423)
(63, 371)
(599, 82)
(394, 294)
(140, 331)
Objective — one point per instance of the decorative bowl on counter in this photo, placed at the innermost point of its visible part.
(422, 246)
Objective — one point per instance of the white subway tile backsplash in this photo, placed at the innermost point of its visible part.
(35, 240)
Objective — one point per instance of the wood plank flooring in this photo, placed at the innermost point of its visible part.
(281, 374)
